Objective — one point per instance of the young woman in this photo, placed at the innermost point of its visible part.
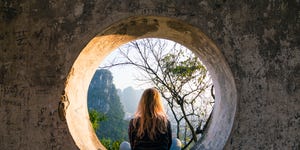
(150, 129)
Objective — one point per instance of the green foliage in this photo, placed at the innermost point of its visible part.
(103, 97)
(109, 144)
(180, 77)
(184, 67)
(96, 117)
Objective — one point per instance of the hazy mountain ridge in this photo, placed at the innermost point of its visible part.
(103, 97)
(130, 97)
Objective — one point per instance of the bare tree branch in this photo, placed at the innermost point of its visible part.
(177, 74)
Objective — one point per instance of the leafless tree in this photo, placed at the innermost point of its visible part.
(180, 77)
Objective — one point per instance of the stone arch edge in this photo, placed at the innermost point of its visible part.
(133, 28)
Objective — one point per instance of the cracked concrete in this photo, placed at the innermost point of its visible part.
(251, 46)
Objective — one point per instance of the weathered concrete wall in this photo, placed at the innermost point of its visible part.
(40, 40)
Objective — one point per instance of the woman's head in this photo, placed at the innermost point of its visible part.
(150, 104)
(151, 114)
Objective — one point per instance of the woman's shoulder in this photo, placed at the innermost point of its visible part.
(134, 120)
(131, 120)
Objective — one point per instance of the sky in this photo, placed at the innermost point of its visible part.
(123, 76)
(126, 75)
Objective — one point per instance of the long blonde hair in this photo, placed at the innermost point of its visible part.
(151, 115)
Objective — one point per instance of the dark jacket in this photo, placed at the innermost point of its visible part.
(161, 142)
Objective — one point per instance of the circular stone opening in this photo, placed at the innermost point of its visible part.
(150, 27)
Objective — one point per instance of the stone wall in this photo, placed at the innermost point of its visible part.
(40, 41)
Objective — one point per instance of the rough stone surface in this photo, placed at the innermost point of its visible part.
(40, 41)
